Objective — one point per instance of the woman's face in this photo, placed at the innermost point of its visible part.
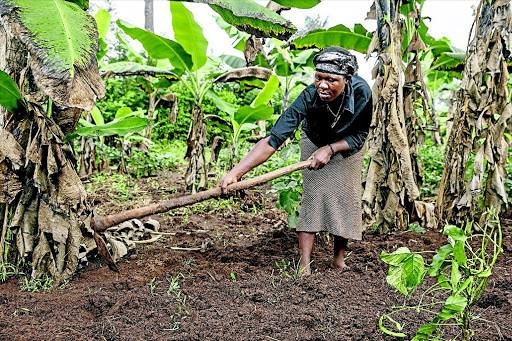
(329, 86)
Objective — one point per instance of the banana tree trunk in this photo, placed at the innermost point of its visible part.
(482, 119)
(390, 181)
(151, 113)
(41, 195)
(196, 143)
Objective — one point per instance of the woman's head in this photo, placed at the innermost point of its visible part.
(334, 67)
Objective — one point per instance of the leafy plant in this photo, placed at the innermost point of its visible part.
(462, 268)
(291, 269)
(37, 284)
(243, 119)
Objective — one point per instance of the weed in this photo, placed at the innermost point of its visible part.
(233, 277)
(152, 286)
(7, 270)
(416, 228)
(291, 269)
(37, 284)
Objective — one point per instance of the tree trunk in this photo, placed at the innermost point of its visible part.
(148, 16)
(151, 112)
(40, 192)
(390, 181)
(196, 143)
(483, 117)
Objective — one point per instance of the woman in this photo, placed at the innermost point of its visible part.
(335, 113)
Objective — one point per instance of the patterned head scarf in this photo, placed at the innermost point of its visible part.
(336, 60)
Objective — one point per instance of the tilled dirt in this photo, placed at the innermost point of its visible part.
(232, 289)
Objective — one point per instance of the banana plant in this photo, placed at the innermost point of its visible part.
(243, 119)
(187, 55)
(53, 47)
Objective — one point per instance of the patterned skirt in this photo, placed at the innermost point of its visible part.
(331, 199)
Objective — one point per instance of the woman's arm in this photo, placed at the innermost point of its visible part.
(261, 152)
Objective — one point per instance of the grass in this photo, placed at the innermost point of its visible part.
(44, 284)
(291, 269)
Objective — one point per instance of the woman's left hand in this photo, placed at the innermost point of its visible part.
(321, 157)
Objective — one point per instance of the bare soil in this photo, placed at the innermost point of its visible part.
(232, 289)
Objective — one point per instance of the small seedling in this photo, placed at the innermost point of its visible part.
(233, 277)
(291, 269)
(152, 285)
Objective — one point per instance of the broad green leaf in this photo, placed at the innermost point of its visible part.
(293, 219)
(121, 127)
(233, 61)
(304, 4)
(455, 232)
(145, 84)
(282, 67)
(189, 34)
(248, 114)
(250, 17)
(425, 332)
(459, 253)
(335, 36)
(97, 116)
(63, 43)
(268, 91)
(135, 69)
(122, 112)
(304, 57)
(396, 279)
(159, 47)
(455, 276)
(102, 18)
(396, 257)
(439, 258)
(453, 305)
(249, 127)
(10, 96)
(414, 270)
(220, 103)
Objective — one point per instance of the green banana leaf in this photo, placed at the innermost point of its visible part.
(220, 103)
(248, 114)
(233, 61)
(268, 91)
(159, 47)
(189, 34)
(250, 17)
(135, 69)
(10, 96)
(357, 39)
(117, 127)
(63, 41)
(97, 116)
(305, 4)
(103, 19)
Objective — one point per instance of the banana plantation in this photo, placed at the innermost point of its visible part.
(114, 139)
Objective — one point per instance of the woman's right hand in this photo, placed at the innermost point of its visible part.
(228, 179)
